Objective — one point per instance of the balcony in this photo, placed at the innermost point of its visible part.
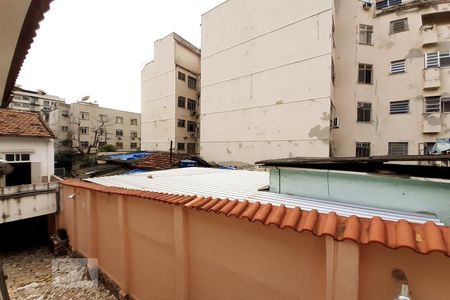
(431, 123)
(28, 201)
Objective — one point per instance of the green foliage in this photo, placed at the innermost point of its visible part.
(65, 156)
(107, 148)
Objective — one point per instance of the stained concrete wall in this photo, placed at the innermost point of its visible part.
(348, 53)
(265, 91)
(160, 88)
(159, 251)
(41, 152)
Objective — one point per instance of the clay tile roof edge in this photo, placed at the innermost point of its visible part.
(433, 238)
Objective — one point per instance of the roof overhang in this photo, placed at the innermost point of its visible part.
(19, 21)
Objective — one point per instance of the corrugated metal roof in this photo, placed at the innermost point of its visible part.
(244, 185)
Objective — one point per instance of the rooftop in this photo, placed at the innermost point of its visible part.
(373, 164)
(23, 124)
(237, 193)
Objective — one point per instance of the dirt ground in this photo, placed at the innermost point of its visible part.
(35, 274)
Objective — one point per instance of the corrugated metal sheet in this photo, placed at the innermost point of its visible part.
(244, 185)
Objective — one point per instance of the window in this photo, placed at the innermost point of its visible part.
(133, 145)
(362, 149)
(427, 148)
(101, 144)
(102, 117)
(437, 104)
(84, 130)
(180, 146)
(191, 148)
(191, 126)
(399, 107)
(432, 104)
(182, 101)
(181, 123)
(119, 132)
(181, 76)
(119, 120)
(192, 83)
(382, 4)
(437, 60)
(65, 113)
(66, 143)
(365, 34)
(84, 144)
(365, 73)
(46, 103)
(399, 25)
(398, 148)
(398, 66)
(65, 128)
(17, 157)
(192, 105)
(84, 115)
(119, 145)
(133, 134)
(445, 104)
(133, 122)
(364, 112)
(26, 98)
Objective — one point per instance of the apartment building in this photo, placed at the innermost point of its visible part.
(87, 125)
(170, 97)
(392, 77)
(266, 86)
(37, 101)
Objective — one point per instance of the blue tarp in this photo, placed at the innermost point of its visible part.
(130, 156)
(441, 146)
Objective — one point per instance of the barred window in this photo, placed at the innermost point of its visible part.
(399, 107)
(398, 148)
(362, 149)
(399, 25)
(398, 66)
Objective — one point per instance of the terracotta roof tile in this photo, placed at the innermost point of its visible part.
(161, 161)
(422, 238)
(23, 124)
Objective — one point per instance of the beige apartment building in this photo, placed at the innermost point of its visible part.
(170, 97)
(312, 79)
(37, 101)
(76, 125)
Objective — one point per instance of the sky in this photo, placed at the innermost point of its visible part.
(97, 48)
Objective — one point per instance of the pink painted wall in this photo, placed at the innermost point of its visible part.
(154, 250)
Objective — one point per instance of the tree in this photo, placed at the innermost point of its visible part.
(97, 133)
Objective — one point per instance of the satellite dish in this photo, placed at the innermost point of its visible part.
(85, 98)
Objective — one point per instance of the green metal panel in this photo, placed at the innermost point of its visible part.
(381, 191)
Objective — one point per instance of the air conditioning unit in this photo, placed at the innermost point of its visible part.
(193, 112)
(119, 138)
(335, 122)
(367, 5)
(193, 135)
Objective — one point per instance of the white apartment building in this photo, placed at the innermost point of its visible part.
(324, 78)
(76, 125)
(266, 85)
(37, 101)
(170, 97)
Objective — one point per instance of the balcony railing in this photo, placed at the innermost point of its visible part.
(387, 3)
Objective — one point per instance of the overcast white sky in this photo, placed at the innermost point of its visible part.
(98, 47)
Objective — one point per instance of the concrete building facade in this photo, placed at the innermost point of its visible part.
(392, 81)
(266, 84)
(319, 78)
(38, 101)
(170, 97)
(75, 125)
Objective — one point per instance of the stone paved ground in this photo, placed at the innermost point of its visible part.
(30, 277)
